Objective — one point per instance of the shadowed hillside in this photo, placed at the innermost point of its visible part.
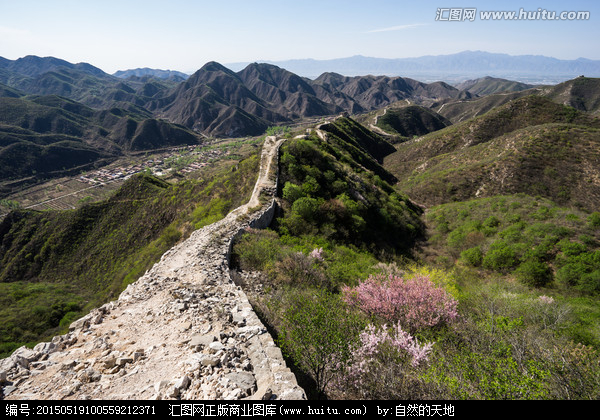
(582, 93)
(411, 121)
(47, 136)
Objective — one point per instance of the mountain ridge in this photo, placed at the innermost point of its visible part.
(460, 66)
(269, 95)
(488, 85)
(217, 101)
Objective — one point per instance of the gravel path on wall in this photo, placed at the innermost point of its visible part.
(184, 330)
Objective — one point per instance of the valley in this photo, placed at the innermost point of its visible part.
(456, 227)
(244, 364)
(90, 186)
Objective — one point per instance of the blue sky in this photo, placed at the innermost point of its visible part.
(184, 35)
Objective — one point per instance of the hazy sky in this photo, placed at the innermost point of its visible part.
(183, 34)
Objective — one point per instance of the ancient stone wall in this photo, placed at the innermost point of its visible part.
(183, 330)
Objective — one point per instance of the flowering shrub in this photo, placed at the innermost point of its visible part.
(415, 303)
(317, 254)
(385, 360)
(375, 340)
(546, 299)
(548, 313)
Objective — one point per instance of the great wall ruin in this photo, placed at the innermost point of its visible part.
(184, 330)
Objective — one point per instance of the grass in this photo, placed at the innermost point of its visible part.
(523, 239)
(528, 329)
(510, 163)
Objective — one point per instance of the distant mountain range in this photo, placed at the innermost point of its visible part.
(215, 101)
(450, 68)
(218, 101)
(75, 114)
(34, 66)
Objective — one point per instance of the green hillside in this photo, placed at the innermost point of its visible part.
(529, 145)
(490, 85)
(582, 93)
(57, 265)
(529, 238)
(343, 200)
(460, 111)
(348, 263)
(365, 148)
(552, 160)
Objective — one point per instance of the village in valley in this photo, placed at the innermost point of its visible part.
(170, 164)
(181, 159)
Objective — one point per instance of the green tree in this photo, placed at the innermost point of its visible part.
(278, 131)
(291, 192)
(534, 273)
(307, 208)
(472, 256)
(594, 219)
(317, 335)
(500, 257)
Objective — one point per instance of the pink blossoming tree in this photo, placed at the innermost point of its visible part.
(414, 303)
(383, 355)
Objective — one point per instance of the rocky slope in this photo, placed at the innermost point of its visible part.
(183, 330)
(215, 100)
